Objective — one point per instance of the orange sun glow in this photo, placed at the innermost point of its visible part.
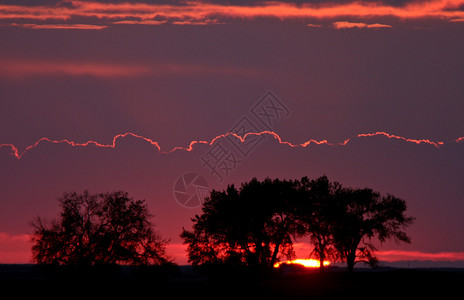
(308, 263)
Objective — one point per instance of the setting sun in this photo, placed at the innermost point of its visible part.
(308, 263)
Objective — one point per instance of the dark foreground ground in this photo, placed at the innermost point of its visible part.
(30, 281)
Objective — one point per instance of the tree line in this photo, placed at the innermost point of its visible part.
(257, 223)
(252, 225)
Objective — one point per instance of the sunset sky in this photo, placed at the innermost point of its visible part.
(137, 95)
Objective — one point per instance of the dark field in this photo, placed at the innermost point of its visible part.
(183, 282)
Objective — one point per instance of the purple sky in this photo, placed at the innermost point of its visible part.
(180, 75)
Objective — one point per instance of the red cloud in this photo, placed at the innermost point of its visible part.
(15, 69)
(63, 26)
(397, 255)
(145, 22)
(15, 151)
(15, 248)
(345, 25)
(201, 13)
(27, 68)
(302, 250)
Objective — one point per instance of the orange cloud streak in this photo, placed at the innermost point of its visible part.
(345, 25)
(397, 255)
(20, 68)
(16, 153)
(145, 22)
(391, 136)
(62, 26)
(11, 68)
(195, 12)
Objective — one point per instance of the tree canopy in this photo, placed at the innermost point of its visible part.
(98, 229)
(257, 223)
(366, 214)
(318, 213)
(252, 225)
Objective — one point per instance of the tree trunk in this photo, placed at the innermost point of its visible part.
(321, 261)
(320, 250)
(274, 254)
(350, 260)
(321, 265)
(350, 266)
(351, 257)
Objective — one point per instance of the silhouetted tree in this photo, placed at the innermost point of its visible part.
(256, 224)
(98, 229)
(318, 214)
(366, 215)
(250, 226)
